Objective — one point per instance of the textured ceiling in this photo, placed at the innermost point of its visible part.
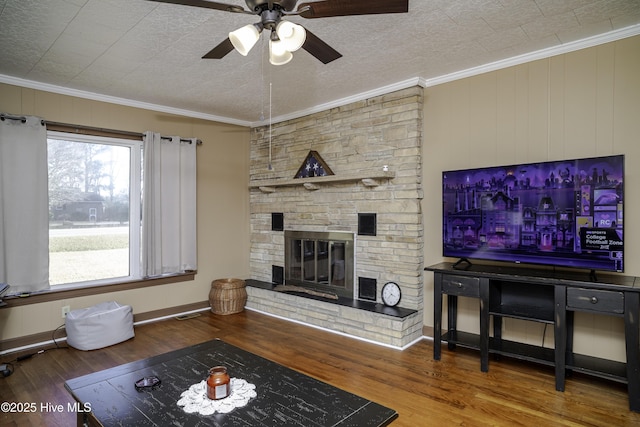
(150, 53)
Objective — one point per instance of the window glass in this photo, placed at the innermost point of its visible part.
(94, 226)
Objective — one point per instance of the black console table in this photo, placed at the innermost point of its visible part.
(545, 296)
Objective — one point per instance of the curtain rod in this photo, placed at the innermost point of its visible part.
(77, 128)
(23, 119)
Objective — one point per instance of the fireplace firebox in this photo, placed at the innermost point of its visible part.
(319, 260)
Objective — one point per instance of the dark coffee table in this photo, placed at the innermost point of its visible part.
(284, 397)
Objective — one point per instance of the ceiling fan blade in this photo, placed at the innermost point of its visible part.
(220, 51)
(206, 4)
(329, 8)
(320, 49)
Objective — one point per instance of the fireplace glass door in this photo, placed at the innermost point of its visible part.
(319, 260)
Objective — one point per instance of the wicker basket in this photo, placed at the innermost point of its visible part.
(227, 296)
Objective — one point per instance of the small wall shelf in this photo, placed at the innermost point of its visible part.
(368, 179)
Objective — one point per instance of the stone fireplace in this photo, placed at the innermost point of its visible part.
(373, 147)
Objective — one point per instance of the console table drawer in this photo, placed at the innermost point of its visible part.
(595, 300)
(461, 285)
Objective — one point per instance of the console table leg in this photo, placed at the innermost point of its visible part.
(437, 315)
(569, 350)
(484, 325)
(560, 334)
(632, 335)
(452, 319)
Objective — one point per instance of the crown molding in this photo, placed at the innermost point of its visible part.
(498, 65)
(344, 101)
(611, 36)
(116, 100)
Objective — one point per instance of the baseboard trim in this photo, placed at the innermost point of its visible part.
(14, 345)
(156, 315)
(40, 339)
(427, 332)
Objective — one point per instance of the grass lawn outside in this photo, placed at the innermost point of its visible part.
(79, 258)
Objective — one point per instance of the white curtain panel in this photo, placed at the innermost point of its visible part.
(24, 205)
(169, 205)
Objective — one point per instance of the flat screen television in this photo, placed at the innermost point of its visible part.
(560, 213)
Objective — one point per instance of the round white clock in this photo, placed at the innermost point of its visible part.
(391, 294)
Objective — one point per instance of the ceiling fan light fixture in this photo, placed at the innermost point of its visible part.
(278, 55)
(244, 38)
(292, 35)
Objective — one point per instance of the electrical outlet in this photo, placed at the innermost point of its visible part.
(65, 310)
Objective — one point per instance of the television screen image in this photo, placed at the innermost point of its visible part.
(566, 213)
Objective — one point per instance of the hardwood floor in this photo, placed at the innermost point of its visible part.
(424, 392)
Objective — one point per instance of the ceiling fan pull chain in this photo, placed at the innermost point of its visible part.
(262, 89)
(270, 166)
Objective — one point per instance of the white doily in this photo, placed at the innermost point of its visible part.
(195, 399)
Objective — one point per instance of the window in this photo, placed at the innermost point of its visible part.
(94, 209)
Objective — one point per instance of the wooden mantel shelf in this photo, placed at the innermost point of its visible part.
(369, 179)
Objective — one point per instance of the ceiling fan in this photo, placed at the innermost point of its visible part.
(286, 37)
